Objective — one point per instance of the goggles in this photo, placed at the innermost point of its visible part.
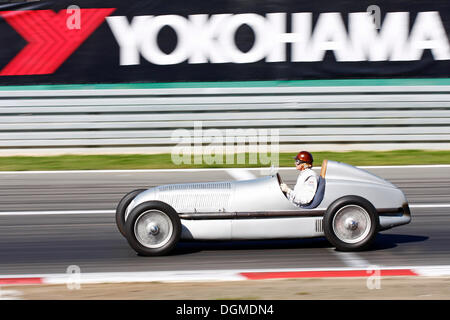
(297, 162)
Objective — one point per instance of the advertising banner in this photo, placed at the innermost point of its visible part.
(116, 41)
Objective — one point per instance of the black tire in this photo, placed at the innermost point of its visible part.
(122, 207)
(170, 217)
(339, 204)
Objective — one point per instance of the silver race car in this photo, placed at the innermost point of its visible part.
(350, 206)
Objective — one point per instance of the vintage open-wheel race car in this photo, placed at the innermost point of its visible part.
(350, 206)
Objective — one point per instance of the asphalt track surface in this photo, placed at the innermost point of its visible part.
(42, 243)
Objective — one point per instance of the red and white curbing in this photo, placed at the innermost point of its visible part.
(222, 275)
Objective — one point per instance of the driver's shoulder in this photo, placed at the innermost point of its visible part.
(309, 173)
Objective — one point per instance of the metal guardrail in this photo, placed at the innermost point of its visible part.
(143, 120)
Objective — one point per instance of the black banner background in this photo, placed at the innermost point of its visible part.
(97, 59)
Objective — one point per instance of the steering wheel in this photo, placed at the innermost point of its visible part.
(279, 178)
(280, 182)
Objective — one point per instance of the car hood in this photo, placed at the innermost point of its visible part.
(260, 194)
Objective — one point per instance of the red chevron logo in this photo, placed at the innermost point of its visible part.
(50, 41)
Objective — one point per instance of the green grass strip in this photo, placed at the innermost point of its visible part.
(239, 84)
(164, 161)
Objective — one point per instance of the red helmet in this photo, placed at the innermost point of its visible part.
(304, 157)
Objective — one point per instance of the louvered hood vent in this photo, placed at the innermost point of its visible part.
(196, 197)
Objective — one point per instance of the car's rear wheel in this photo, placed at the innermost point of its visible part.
(153, 228)
(351, 223)
(122, 207)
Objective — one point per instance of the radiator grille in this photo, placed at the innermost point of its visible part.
(319, 225)
(196, 196)
(190, 201)
(196, 186)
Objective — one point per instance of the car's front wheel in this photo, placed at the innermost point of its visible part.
(122, 207)
(351, 223)
(153, 228)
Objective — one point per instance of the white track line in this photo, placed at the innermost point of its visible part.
(163, 276)
(57, 212)
(412, 166)
(115, 171)
(206, 169)
(75, 212)
(433, 271)
(425, 205)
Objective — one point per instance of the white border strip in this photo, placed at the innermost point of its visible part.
(211, 169)
(430, 205)
(79, 212)
(56, 212)
(200, 275)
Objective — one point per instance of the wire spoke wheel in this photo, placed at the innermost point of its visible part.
(351, 224)
(153, 229)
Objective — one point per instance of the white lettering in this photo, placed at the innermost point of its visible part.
(370, 45)
(149, 45)
(278, 37)
(429, 33)
(211, 39)
(204, 33)
(128, 37)
(329, 34)
(258, 50)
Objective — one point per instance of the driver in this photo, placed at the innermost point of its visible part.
(306, 186)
